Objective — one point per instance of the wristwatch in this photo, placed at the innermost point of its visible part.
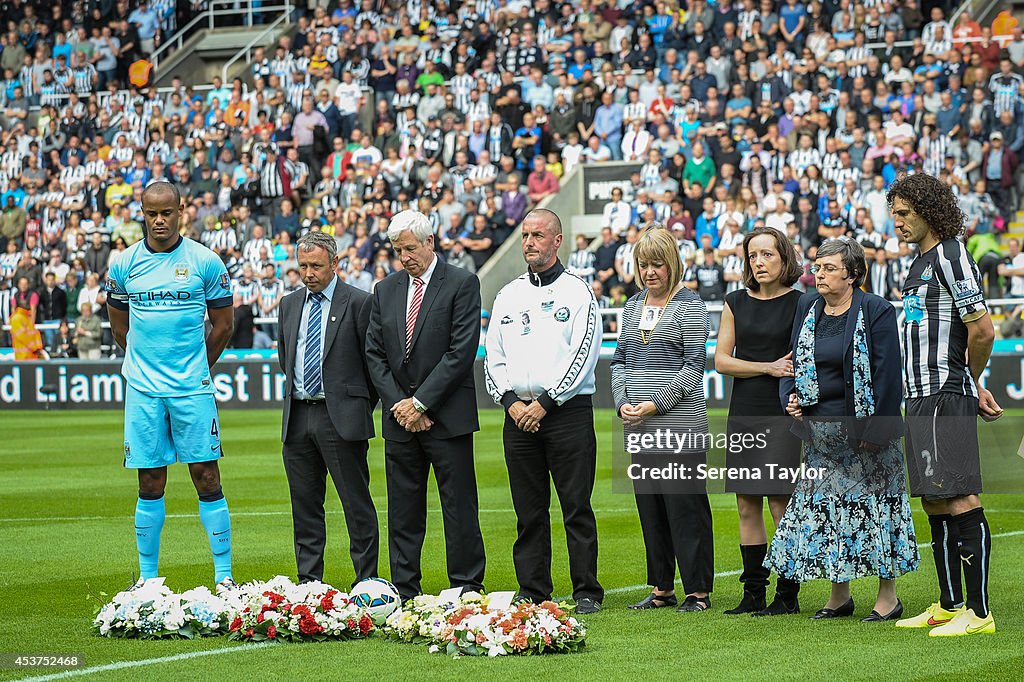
(420, 407)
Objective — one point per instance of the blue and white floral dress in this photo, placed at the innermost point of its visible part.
(854, 519)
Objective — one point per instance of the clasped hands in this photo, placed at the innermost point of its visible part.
(794, 410)
(635, 415)
(527, 417)
(409, 418)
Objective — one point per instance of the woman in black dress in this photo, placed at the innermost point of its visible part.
(754, 348)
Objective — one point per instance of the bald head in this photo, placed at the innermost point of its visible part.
(547, 218)
(160, 190)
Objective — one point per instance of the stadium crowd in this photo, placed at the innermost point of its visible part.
(739, 115)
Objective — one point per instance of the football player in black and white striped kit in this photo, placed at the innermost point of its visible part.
(542, 349)
(947, 340)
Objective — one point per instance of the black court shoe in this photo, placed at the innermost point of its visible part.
(653, 601)
(841, 612)
(876, 617)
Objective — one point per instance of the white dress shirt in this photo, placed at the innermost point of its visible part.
(300, 341)
(412, 287)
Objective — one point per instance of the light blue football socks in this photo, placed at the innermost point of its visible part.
(213, 512)
(149, 522)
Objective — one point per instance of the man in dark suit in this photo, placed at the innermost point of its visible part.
(422, 341)
(328, 408)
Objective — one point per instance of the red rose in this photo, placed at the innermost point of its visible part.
(260, 618)
(236, 624)
(327, 603)
(249, 632)
(271, 632)
(302, 610)
(365, 624)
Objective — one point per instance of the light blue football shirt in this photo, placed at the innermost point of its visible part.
(166, 295)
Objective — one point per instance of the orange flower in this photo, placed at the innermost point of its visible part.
(519, 641)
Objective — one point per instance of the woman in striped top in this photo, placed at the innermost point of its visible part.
(658, 384)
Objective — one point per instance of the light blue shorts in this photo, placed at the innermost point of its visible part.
(162, 431)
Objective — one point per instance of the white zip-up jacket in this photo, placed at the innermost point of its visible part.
(544, 339)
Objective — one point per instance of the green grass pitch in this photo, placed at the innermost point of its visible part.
(66, 509)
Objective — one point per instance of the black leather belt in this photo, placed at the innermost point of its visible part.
(310, 401)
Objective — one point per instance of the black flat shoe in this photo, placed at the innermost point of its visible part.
(779, 607)
(653, 601)
(692, 603)
(587, 606)
(841, 612)
(876, 617)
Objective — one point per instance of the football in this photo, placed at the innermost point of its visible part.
(378, 596)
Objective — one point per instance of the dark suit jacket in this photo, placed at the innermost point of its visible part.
(438, 369)
(347, 387)
(886, 367)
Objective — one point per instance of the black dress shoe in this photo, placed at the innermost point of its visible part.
(653, 601)
(586, 606)
(692, 603)
(841, 612)
(876, 617)
(780, 607)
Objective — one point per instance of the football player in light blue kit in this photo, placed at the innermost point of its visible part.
(159, 293)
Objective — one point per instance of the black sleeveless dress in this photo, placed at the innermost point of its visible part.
(763, 332)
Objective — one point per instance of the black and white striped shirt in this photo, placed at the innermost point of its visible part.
(270, 290)
(400, 102)
(460, 87)
(583, 263)
(669, 368)
(942, 293)
(1005, 91)
(84, 79)
(270, 181)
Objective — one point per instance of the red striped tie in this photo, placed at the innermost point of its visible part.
(414, 311)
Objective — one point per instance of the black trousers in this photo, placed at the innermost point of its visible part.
(408, 468)
(313, 449)
(677, 529)
(564, 450)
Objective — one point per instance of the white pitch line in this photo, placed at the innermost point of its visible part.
(380, 512)
(726, 574)
(249, 647)
(121, 665)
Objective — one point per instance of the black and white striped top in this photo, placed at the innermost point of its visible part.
(1005, 91)
(941, 294)
(667, 370)
(582, 263)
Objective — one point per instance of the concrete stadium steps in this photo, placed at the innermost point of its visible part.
(204, 54)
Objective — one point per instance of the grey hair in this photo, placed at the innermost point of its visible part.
(412, 221)
(652, 225)
(317, 239)
(852, 254)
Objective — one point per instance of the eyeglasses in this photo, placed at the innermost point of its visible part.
(827, 269)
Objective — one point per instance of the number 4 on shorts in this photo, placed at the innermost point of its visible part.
(214, 431)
